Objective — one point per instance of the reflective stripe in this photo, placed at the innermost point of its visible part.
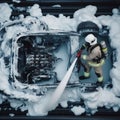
(84, 45)
(100, 79)
(86, 74)
(104, 49)
(84, 57)
(93, 64)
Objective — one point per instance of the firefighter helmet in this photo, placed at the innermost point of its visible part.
(91, 39)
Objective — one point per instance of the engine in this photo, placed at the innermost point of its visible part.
(36, 59)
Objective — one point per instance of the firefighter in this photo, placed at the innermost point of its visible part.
(94, 59)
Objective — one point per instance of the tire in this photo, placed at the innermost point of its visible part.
(87, 27)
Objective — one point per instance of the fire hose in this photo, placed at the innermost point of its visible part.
(79, 63)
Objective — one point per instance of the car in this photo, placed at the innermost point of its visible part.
(38, 58)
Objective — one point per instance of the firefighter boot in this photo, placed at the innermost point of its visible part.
(100, 80)
(99, 84)
(85, 76)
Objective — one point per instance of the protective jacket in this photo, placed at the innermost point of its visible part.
(95, 56)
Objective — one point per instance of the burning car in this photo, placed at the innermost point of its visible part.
(42, 58)
(39, 58)
(36, 56)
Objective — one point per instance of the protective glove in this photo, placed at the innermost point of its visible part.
(84, 57)
(83, 47)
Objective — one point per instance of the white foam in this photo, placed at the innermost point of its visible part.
(36, 104)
